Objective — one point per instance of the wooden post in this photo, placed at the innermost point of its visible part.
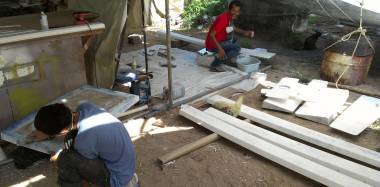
(188, 148)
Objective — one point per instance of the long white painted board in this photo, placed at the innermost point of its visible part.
(308, 135)
(362, 113)
(200, 42)
(275, 153)
(342, 165)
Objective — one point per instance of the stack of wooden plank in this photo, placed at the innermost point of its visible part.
(327, 168)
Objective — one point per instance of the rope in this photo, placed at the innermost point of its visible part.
(324, 10)
(344, 13)
(362, 32)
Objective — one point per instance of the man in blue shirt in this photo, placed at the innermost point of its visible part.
(98, 147)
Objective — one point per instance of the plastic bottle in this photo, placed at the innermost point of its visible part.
(134, 63)
(44, 22)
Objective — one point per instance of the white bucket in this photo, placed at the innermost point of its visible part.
(248, 64)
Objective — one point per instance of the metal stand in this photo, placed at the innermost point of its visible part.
(3, 158)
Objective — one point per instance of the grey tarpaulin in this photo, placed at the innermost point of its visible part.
(134, 22)
(100, 56)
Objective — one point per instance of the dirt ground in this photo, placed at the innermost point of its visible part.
(221, 163)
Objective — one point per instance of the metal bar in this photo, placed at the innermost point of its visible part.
(168, 51)
(144, 33)
(82, 30)
(120, 48)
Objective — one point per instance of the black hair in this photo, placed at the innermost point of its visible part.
(52, 119)
(235, 3)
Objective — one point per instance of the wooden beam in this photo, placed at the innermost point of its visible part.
(188, 148)
(360, 172)
(132, 111)
(272, 152)
(308, 135)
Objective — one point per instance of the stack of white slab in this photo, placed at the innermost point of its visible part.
(281, 96)
(321, 166)
(322, 104)
(362, 113)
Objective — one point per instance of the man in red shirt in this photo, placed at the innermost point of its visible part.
(220, 37)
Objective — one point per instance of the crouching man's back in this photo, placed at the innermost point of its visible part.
(99, 150)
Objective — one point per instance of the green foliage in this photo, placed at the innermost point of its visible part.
(196, 9)
(294, 40)
(313, 19)
(245, 42)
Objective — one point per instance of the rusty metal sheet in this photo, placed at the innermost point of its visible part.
(37, 72)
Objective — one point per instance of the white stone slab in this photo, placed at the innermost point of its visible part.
(284, 105)
(326, 109)
(362, 113)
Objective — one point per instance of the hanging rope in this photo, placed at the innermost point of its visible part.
(362, 32)
(324, 10)
(344, 13)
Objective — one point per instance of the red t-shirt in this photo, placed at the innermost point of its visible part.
(220, 25)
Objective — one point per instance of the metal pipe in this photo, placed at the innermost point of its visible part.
(144, 34)
(120, 48)
(71, 31)
(168, 51)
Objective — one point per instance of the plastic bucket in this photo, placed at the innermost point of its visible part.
(248, 64)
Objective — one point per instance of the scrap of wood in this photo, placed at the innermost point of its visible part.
(268, 150)
(188, 148)
(9, 26)
(361, 114)
(308, 135)
(342, 165)
(132, 111)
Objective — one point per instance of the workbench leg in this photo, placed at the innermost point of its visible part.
(3, 158)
